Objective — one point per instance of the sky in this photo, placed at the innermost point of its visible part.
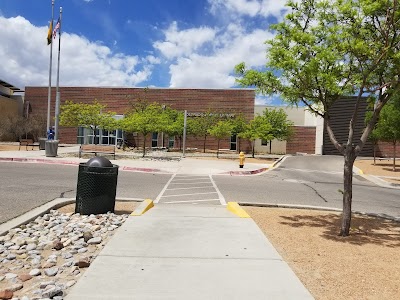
(136, 43)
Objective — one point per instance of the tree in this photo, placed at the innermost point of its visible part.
(88, 115)
(388, 126)
(282, 128)
(176, 124)
(326, 50)
(221, 130)
(258, 128)
(147, 119)
(199, 126)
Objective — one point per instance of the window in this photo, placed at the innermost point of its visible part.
(154, 139)
(171, 142)
(81, 135)
(233, 142)
(264, 143)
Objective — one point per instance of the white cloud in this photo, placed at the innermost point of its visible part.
(183, 42)
(25, 59)
(250, 8)
(215, 70)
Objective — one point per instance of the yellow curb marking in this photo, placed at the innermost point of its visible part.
(237, 210)
(143, 207)
(360, 172)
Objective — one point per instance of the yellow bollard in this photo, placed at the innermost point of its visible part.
(241, 160)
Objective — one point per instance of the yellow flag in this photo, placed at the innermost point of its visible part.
(50, 33)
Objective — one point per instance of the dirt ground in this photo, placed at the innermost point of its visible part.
(364, 265)
(383, 167)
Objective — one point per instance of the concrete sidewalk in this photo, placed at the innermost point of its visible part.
(188, 252)
(162, 164)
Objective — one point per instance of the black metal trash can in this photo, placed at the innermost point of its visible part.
(51, 148)
(96, 187)
(42, 143)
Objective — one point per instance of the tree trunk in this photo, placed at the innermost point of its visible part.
(349, 158)
(374, 153)
(252, 147)
(180, 143)
(218, 149)
(204, 144)
(270, 147)
(394, 155)
(144, 145)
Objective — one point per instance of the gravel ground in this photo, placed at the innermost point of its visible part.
(46, 257)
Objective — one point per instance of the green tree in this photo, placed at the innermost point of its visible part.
(175, 124)
(88, 115)
(145, 120)
(325, 50)
(258, 128)
(388, 126)
(199, 126)
(221, 130)
(282, 128)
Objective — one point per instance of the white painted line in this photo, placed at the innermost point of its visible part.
(189, 179)
(189, 188)
(190, 182)
(179, 195)
(187, 201)
(191, 176)
(221, 198)
(163, 190)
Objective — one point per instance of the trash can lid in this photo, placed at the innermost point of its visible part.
(99, 161)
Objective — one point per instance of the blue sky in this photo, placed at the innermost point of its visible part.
(160, 43)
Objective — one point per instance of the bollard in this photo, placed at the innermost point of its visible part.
(241, 160)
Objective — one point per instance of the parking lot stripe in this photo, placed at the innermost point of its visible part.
(180, 195)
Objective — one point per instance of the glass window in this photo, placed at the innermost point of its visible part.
(154, 139)
(264, 143)
(81, 135)
(233, 142)
(171, 142)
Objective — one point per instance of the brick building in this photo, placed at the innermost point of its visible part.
(119, 100)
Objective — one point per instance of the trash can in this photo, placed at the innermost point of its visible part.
(42, 143)
(51, 147)
(96, 187)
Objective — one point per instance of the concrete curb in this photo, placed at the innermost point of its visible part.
(145, 170)
(237, 210)
(320, 208)
(38, 160)
(243, 173)
(375, 179)
(142, 208)
(34, 213)
(41, 210)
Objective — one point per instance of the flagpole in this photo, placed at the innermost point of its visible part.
(57, 111)
(51, 59)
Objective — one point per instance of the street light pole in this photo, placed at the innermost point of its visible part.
(184, 134)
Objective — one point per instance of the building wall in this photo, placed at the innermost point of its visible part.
(118, 100)
(303, 140)
(300, 117)
(9, 106)
(385, 149)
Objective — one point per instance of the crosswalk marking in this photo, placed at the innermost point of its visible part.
(191, 184)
